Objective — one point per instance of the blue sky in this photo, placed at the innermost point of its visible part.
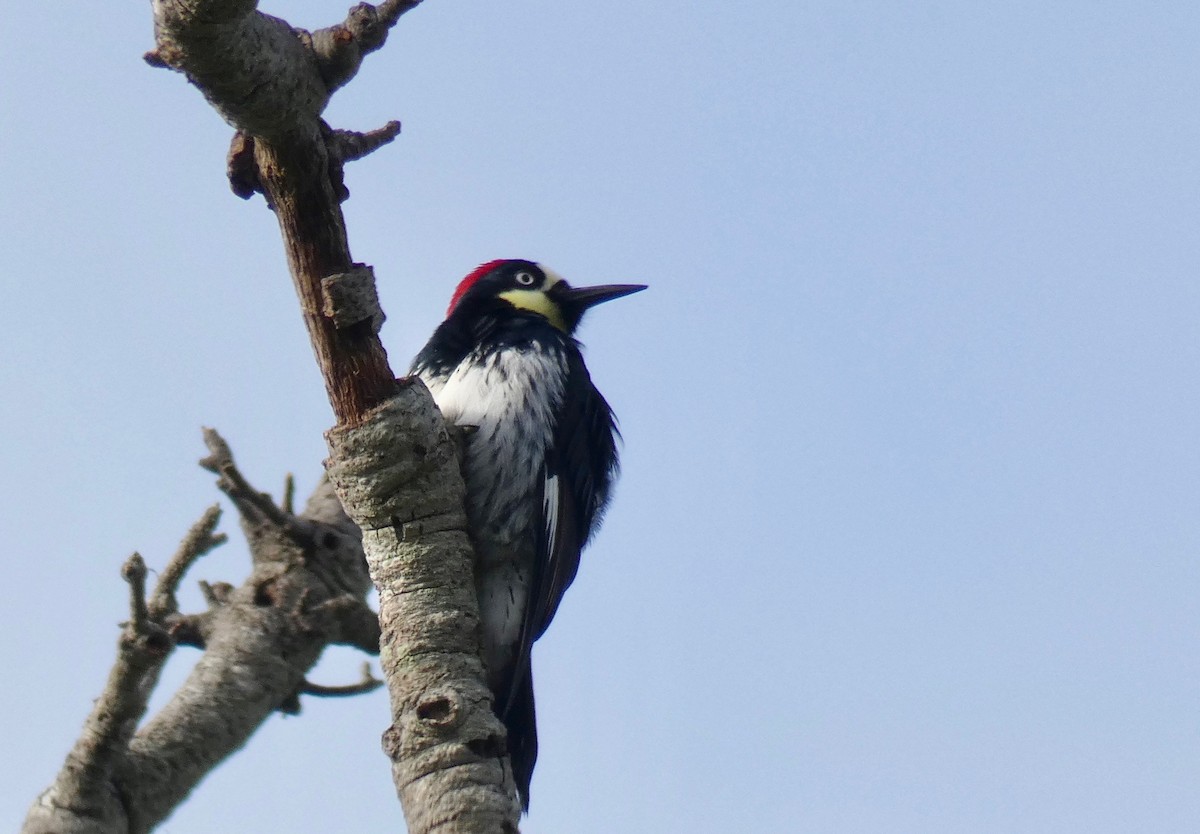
(906, 538)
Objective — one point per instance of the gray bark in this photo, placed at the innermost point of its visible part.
(400, 473)
(306, 590)
(391, 458)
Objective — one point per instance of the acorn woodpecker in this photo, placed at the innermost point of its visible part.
(538, 467)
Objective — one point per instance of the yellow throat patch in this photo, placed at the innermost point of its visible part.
(538, 302)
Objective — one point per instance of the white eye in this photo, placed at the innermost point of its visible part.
(525, 279)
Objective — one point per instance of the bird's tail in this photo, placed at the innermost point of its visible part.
(521, 722)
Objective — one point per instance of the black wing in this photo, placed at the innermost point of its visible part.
(581, 464)
(580, 467)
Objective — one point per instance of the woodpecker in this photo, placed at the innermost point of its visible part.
(538, 467)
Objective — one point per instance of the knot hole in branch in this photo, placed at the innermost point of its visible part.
(440, 709)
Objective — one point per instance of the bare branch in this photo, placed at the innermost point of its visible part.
(189, 629)
(394, 465)
(369, 683)
(82, 790)
(269, 81)
(251, 503)
(289, 494)
(200, 539)
(260, 641)
(255, 70)
(349, 145)
(215, 594)
(341, 47)
(304, 187)
(350, 622)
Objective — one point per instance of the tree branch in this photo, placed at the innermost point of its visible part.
(398, 475)
(391, 458)
(369, 683)
(82, 786)
(260, 641)
(341, 48)
(199, 540)
(396, 471)
(272, 82)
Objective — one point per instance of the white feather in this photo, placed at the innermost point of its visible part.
(550, 508)
(510, 396)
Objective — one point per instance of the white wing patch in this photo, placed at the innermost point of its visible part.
(550, 509)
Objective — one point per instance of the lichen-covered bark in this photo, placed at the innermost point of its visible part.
(399, 470)
(306, 590)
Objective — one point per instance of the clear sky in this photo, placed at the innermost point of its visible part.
(907, 535)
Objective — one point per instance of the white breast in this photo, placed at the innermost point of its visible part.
(511, 396)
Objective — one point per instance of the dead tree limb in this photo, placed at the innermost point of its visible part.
(306, 590)
(391, 458)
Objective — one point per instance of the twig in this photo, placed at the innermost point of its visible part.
(341, 48)
(190, 629)
(134, 572)
(143, 646)
(349, 145)
(349, 622)
(215, 594)
(288, 503)
(200, 539)
(369, 683)
(248, 500)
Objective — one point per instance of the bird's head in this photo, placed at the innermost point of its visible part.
(532, 288)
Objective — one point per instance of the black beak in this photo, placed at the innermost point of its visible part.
(583, 298)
